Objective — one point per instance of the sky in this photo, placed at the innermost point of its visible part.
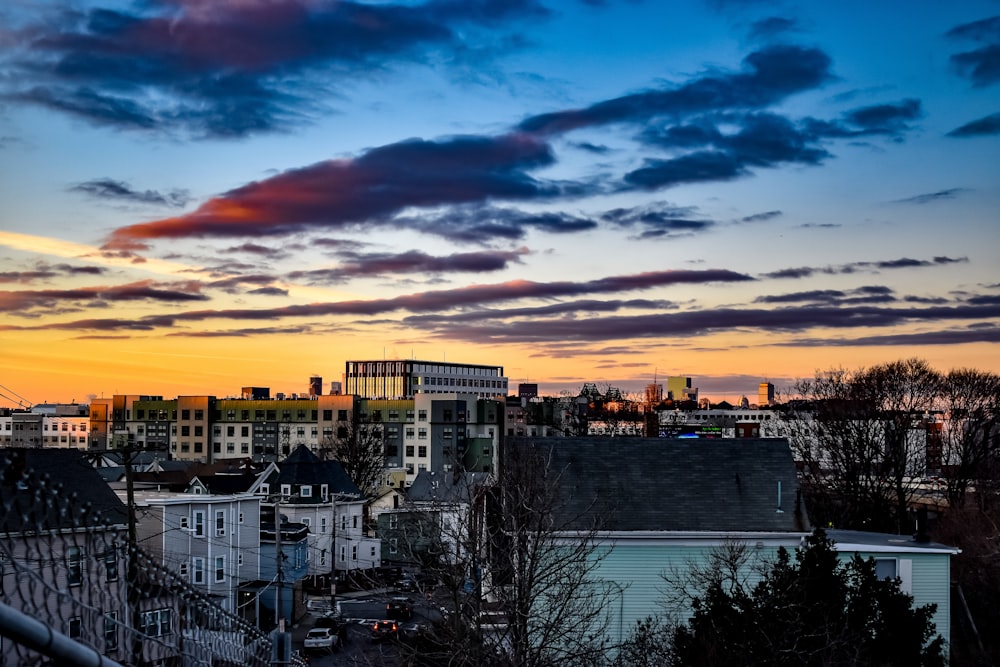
(200, 195)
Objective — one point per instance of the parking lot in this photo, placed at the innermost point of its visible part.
(359, 612)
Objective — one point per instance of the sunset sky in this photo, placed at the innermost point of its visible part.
(197, 195)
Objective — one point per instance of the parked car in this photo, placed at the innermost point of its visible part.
(334, 623)
(399, 608)
(406, 585)
(321, 639)
(318, 605)
(387, 629)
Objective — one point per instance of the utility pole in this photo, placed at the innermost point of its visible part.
(281, 641)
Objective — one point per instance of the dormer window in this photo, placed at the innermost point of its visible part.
(305, 491)
(324, 492)
(286, 489)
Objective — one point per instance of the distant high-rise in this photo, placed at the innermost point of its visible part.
(765, 394)
(315, 386)
(680, 389)
(654, 393)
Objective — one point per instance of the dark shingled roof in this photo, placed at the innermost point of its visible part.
(302, 466)
(449, 488)
(661, 484)
(54, 488)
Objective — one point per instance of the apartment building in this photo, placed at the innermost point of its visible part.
(46, 426)
(406, 378)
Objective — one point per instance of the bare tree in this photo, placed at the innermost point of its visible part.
(970, 434)
(861, 438)
(359, 446)
(516, 573)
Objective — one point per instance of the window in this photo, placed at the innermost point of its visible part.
(322, 557)
(342, 415)
(422, 415)
(354, 552)
(220, 568)
(422, 434)
(409, 450)
(393, 546)
(239, 558)
(373, 552)
(322, 524)
(286, 489)
(156, 623)
(447, 414)
(241, 517)
(198, 570)
(305, 491)
(74, 628)
(307, 521)
(265, 488)
(199, 415)
(198, 519)
(185, 430)
(393, 521)
(343, 554)
(183, 569)
(111, 564)
(111, 631)
(343, 523)
(324, 492)
(354, 521)
(220, 522)
(185, 414)
(409, 433)
(74, 566)
(422, 451)
(885, 568)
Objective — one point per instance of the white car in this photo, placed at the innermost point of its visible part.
(321, 639)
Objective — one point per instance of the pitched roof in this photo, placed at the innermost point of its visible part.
(444, 487)
(303, 467)
(36, 485)
(661, 484)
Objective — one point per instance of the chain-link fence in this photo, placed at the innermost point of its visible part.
(75, 591)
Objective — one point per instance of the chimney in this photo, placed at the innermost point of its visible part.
(922, 536)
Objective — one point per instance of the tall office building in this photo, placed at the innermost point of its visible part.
(765, 394)
(405, 378)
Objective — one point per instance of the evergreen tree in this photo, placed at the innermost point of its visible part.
(813, 610)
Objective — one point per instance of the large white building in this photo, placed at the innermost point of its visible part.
(405, 378)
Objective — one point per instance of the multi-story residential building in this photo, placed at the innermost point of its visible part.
(49, 426)
(70, 547)
(405, 378)
(320, 495)
(211, 541)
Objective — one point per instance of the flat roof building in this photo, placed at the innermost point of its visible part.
(405, 378)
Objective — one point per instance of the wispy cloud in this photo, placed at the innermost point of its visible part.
(980, 65)
(119, 191)
(985, 126)
(930, 197)
(853, 267)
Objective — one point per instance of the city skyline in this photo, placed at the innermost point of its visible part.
(199, 196)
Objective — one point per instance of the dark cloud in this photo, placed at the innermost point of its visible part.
(256, 249)
(242, 333)
(413, 261)
(658, 220)
(852, 267)
(43, 271)
(761, 217)
(372, 187)
(930, 197)
(866, 294)
(231, 69)
(96, 296)
(240, 284)
(769, 76)
(579, 307)
(763, 140)
(987, 125)
(483, 224)
(767, 29)
(981, 65)
(112, 190)
(694, 323)
(431, 301)
(944, 337)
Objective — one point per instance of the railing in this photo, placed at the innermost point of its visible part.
(74, 592)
